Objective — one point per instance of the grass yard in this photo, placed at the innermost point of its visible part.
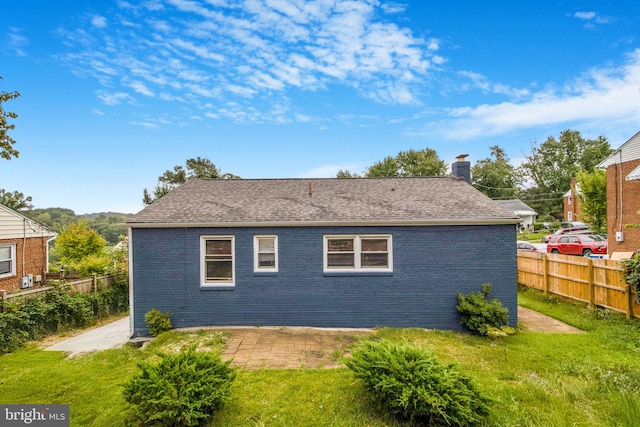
(590, 379)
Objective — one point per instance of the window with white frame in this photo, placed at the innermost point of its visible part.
(7, 260)
(217, 261)
(265, 253)
(358, 253)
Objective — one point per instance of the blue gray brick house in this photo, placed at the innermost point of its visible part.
(362, 252)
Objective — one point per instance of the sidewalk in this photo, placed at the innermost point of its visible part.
(278, 346)
(111, 335)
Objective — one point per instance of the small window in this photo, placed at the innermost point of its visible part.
(265, 253)
(217, 260)
(7, 260)
(357, 253)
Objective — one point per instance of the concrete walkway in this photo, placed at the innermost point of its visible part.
(279, 347)
(111, 335)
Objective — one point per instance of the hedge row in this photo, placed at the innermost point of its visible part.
(57, 310)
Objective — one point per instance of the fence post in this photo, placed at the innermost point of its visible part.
(3, 296)
(95, 283)
(629, 301)
(592, 286)
(545, 270)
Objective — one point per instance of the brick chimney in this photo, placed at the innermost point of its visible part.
(462, 168)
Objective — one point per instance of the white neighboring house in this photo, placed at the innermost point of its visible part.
(24, 250)
(518, 207)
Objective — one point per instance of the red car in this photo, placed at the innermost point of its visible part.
(577, 244)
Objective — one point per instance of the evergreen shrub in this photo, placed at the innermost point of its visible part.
(157, 322)
(183, 389)
(407, 382)
(478, 313)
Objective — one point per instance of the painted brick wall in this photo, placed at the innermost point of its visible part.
(431, 265)
(35, 260)
(617, 218)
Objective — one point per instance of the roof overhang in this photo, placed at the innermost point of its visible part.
(326, 224)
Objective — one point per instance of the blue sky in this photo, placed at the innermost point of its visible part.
(113, 93)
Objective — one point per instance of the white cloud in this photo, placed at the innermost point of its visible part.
(231, 51)
(144, 124)
(16, 42)
(584, 15)
(99, 21)
(114, 98)
(602, 94)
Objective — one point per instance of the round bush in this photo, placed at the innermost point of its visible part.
(157, 321)
(407, 382)
(183, 389)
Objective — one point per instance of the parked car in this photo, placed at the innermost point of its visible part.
(570, 230)
(573, 224)
(528, 247)
(577, 244)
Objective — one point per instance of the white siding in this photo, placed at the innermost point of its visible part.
(16, 226)
(628, 151)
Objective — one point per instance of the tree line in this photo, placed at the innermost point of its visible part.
(540, 181)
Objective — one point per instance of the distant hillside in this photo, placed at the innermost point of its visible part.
(106, 214)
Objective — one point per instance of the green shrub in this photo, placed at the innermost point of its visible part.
(57, 310)
(183, 389)
(632, 267)
(157, 321)
(477, 313)
(407, 382)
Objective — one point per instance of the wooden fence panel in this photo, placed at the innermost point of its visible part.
(85, 286)
(598, 282)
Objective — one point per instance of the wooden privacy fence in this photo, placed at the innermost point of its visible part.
(598, 282)
(83, 286)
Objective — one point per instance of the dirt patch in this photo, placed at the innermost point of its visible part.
(288, 348)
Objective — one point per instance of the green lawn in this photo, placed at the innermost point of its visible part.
(590, 379)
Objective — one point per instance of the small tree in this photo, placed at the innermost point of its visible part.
(15, 200)
(593, 198)
(78, 241)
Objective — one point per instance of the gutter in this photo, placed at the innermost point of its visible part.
(413, 223)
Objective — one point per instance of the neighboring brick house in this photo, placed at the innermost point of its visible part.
(23, 250)
(623, 196)
(360, 252)
(572, 202)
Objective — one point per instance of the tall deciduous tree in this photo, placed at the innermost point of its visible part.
(495, 176)
(593, 198)
(409, 163)
(15, 200)
(551, 166)
(6, 142)
(194, 168)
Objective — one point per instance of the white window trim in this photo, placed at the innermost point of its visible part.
(203, 265)
(256, 249)
(12, 249)
(357, 252)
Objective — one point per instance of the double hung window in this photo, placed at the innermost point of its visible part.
(358, 253)
(217, 261)
(7, 260)
(265, 253)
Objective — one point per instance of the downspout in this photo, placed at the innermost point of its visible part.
(620, 170)
(46, 270)
(24, 242)
(130, 260)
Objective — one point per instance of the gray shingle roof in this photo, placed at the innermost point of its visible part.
(517, 206)
(371, 201)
